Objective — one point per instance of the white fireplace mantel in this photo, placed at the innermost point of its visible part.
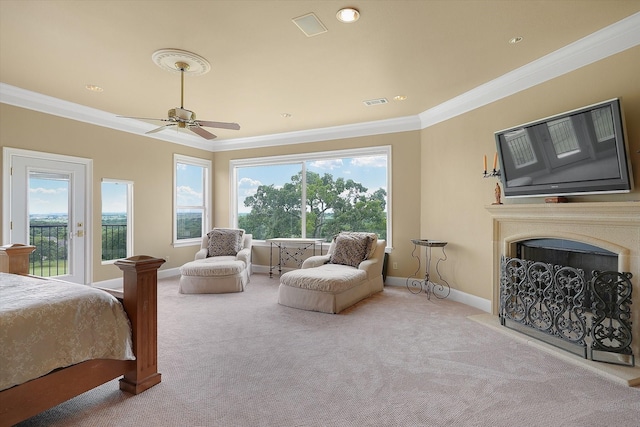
(614, 226)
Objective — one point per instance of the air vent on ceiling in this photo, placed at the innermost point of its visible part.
(310, 24)
(378, 101)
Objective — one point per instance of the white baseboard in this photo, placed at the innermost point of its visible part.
(117, 283)
(455, 295)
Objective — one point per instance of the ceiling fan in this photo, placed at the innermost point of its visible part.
(186, 119)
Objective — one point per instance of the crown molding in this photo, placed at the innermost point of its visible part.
(608, 41)
(378, 127)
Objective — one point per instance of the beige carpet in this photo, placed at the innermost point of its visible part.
(395, 359)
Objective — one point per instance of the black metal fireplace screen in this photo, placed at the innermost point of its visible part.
(555, 304)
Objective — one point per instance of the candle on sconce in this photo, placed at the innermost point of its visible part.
(495, 161)
(485, 163)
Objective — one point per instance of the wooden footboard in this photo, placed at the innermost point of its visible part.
(139, 299)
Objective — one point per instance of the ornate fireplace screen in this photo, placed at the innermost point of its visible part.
(554, 303)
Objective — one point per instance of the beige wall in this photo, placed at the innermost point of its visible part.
(438, 191)
(405, 154)
(453, 191)
(118, 155)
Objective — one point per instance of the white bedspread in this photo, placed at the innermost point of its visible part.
(49, 324)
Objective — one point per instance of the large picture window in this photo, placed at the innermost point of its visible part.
(345, 190)
(191, 200)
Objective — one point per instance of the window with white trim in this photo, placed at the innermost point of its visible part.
(345, 190)
(191, 198)
(117, 219)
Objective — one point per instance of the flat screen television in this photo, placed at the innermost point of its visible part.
(578, 152)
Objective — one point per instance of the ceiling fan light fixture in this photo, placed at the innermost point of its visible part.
(348, 15)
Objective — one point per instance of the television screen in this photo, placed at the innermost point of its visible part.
(577, 152)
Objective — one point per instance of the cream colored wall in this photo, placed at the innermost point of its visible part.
(454, 194)
(438, 191)
(118, 155)
(405, 186)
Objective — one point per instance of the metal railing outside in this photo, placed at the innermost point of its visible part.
(114, 241)
(50, 257)
(52, 247)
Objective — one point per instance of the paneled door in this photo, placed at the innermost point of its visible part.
(48, 209)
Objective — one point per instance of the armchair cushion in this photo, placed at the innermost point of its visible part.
(352, 248)
(224, 241)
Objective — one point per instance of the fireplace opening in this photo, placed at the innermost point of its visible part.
(570, 253)
(569, 294)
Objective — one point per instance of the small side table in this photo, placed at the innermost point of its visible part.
(415, 285)
(292, 249)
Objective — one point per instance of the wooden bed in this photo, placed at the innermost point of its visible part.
(139, 299)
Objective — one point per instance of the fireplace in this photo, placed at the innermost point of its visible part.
(613, 229)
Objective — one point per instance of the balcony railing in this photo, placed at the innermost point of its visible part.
(114, 241)
(52, 247)
(50, 256)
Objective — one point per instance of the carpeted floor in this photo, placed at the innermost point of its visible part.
(395, 359)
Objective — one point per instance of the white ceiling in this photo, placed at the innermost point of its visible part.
(445, 56)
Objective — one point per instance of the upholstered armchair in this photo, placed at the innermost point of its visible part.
(223, 263)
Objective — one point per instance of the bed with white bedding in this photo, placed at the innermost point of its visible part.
(49, 324)
(59, 340)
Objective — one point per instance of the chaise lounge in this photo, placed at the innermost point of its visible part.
(222, 265)
(350, 272)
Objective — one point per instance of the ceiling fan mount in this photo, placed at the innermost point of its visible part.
(181, 61)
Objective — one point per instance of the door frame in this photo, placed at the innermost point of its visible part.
(7, 160)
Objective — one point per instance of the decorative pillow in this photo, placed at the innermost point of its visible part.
(350, 249)
(225, 241)
(372, 242)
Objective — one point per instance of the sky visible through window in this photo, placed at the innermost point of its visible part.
(365, 170)
(48, 196)
(190, 185)
(51, 196)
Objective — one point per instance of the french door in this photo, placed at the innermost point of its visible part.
(48, 209)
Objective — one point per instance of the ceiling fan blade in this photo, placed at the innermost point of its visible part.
(145, 118)
(203, 133)
(221, 125)
(160, 128)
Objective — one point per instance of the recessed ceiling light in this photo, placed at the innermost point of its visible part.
(94, 88)
(400, 97)
(515, 40)
(348, 15)
(285, 115)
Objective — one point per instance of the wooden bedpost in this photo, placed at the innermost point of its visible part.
(140, 275)
(14, 258)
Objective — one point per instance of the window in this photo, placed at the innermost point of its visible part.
(520, 148)
(191, 200)
(345, 190)
(603, 124)
(117, 219)
(563, 137)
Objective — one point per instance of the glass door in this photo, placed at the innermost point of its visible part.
(48, 209)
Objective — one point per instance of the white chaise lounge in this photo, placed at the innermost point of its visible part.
(223, 264)
(331, 283)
